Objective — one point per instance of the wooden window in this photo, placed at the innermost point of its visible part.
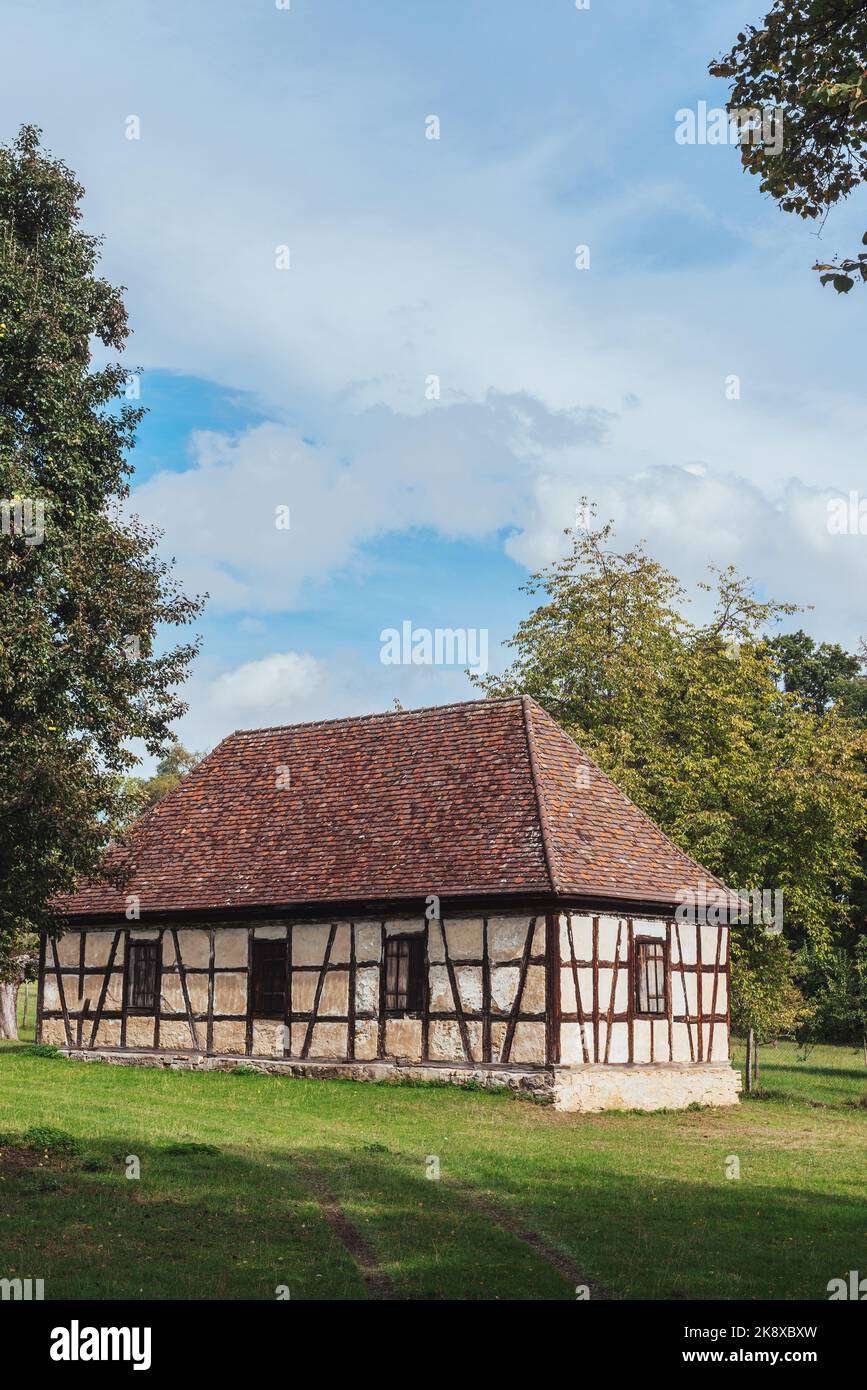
(142, 976)
(650, 993)
(404, 974)
(268, 982)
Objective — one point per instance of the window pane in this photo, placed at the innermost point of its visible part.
(640, 979)
(650, 977)
(657, 986)
(415, 975)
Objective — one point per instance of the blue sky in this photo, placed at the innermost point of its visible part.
(307, 387)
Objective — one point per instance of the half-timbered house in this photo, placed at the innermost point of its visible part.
(454, 892)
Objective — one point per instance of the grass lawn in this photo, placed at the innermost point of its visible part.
(322, 1186)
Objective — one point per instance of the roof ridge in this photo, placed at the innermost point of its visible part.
(380, 714)
(644, 815)
(547, 839)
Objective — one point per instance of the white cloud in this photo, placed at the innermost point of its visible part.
(468, 470)
(273, 686)
(463, 470)
(411, 258)
(691, 518)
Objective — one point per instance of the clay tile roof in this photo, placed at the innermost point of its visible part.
(484, 797)
(599, 842)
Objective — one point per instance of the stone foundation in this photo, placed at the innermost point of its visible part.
(659, 1086)
(535, 1082)
(591, 1088)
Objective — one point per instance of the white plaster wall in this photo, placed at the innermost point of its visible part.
(619, 1049)
(648, 926)
(270, 931)
(641, 1040)
(683, 990)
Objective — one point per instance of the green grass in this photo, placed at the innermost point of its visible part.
(640, 1203)
(816, 1075)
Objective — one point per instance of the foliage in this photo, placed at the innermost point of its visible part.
(765, 997)
(52, 1140)
(80, 676)
(19, 958)
(172, 768)
(829, 680)
(807, 58)
(821, 674)
(690, 720)
(838, 1003)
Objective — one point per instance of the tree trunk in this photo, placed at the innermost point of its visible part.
(749, 1069)
(864, 1040)
(755, 1063)
(9, 1011)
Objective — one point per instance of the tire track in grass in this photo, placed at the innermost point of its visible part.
(376, 1281)
(492, 1211)
(559, 1261)
(472, 1211)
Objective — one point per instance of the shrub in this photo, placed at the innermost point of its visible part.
(38, 1050)
(56, 1141)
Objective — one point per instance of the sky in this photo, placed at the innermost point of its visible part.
(393, 342)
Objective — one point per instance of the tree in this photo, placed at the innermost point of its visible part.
(598, 653)
(807, 60)
(83, 592)
(828, 679)
(18, 967)
(838, 1006)
(820, 674)
(690, 720)
(172, 768)
(766, 1001)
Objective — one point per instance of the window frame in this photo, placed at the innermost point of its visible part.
(135, 948)
(280, 948)
(415, 997)
(660, 943)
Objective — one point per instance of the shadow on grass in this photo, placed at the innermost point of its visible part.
(639, 1237)
(220, 1225)
(192, 1225)
(207, 1226)
(241, 1222)
(853, 1073)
